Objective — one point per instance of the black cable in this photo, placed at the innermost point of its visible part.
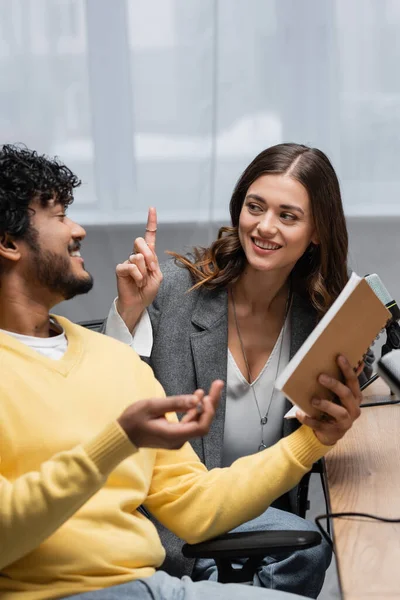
(325, 492)
(387, 402)
(370, 380)
(348, 515)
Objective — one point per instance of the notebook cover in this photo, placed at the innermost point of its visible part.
(351, 331)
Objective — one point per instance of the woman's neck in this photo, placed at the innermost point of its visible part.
(261, 292)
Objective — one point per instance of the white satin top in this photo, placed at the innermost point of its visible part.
(242, 432)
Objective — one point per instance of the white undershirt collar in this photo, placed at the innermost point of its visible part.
(53, 347)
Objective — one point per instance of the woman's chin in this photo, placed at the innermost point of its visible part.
(260, 265)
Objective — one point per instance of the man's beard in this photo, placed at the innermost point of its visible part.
(54, 272)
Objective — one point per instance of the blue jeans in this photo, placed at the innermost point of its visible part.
(299, 572)
(162, 586)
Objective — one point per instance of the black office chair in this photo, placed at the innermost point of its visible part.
(253, 546)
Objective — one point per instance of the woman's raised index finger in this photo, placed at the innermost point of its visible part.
(151, 228)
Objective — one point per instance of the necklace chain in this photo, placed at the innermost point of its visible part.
(263, 419)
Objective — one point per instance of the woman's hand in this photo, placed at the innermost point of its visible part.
(139, 277)
(340, 418)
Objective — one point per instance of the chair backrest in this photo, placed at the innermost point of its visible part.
(94, 325)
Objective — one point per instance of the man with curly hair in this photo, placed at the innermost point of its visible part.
(87, 435)
(29, 180)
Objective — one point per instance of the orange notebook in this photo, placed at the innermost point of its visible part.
(349, 327)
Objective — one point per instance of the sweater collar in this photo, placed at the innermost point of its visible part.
(64, 364)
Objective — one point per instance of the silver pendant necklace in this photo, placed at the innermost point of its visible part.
(263, 419)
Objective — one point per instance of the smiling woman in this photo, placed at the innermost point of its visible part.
(288, 195)
(238, 311)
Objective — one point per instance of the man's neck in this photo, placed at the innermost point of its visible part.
(21, 313)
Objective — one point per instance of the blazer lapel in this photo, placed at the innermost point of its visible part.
(209, 344)
(302, 321)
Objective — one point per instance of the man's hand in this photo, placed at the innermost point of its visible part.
(340, 418)
(139, 277)
(145, 424)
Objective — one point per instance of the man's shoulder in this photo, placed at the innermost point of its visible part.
(94, 339)
(112, 358)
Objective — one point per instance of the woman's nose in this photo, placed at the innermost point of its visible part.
(267, 225)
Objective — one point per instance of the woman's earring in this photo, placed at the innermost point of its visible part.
(311, 250)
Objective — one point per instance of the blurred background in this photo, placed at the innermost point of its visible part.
(164, 103)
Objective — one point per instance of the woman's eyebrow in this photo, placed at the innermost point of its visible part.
(284, 206)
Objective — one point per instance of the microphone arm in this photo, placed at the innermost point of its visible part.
(393, 327)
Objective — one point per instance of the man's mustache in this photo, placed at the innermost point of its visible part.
(74, 247)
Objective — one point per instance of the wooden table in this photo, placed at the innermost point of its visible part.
(363, 473)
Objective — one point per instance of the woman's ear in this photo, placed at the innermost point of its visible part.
(9, 247)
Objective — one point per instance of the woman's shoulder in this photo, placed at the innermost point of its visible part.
(176, 273)
(177, 281)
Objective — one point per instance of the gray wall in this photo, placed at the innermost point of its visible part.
(374, 248)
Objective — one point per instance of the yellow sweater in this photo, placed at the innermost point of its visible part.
(71, 481)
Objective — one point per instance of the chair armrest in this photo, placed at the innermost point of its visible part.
(253, 543)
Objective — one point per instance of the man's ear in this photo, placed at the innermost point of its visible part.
(9, 247)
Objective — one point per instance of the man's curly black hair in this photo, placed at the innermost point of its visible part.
(26, 177)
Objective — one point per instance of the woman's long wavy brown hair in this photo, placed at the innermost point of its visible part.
(321, 273)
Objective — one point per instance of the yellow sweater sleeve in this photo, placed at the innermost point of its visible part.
(197, 504)
(37, 503)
